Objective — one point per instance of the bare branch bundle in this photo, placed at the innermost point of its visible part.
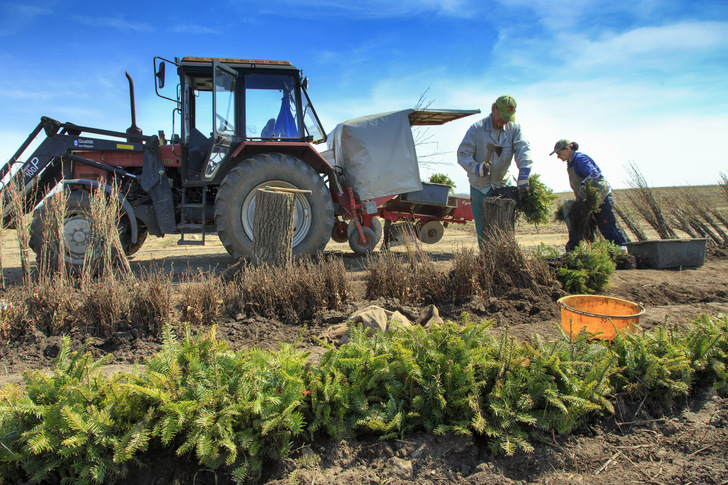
(2, 230)
(411, 277)
(696, 223)
(647, 204)
(681, 219)
(716, 213)
(106, 303)
(150, 301)
(698, 210)
(17, 205)
(291, 294)
(703, 230)
(50, 306)
(631, 224)
(105, 249)
(467, 277)
(423, 136)
(53, 247)
(724, 183)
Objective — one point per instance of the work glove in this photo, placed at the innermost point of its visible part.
(522, 182)
(482, 169)
(582, 192)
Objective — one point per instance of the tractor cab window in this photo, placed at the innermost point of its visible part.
(210, 118)
(198, 106)
(314, 130)
(224, 97)
(223, 104)
(271, 107)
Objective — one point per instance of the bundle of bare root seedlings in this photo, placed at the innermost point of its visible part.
(533, 205)
(581, 219)
(648, 204)
(508, 267)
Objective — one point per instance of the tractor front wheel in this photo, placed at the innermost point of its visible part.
(363, 246)
(77, 233)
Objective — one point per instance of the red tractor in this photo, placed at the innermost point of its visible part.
(243, 124)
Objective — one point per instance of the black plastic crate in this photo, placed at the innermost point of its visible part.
(430, 194)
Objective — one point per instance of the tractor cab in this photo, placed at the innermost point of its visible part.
(224, 103)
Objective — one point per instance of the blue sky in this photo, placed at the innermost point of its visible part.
(632, 81)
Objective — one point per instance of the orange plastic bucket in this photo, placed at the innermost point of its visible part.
(598, 314)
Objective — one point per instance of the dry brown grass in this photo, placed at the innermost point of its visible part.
(292, 294)
(150, 306)
(410, 277)
(413, 278)
(51, 306)
(202, 300)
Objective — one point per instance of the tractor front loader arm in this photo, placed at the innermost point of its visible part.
(43, 169)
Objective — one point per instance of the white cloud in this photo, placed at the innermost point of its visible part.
(14, 16)
(367, 9)
(646, 47)
(194, 29)
(114, 22)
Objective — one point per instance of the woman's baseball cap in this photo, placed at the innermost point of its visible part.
(563, 143)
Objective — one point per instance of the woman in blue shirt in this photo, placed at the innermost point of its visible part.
(582, 170)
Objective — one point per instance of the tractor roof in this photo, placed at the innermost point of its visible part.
(439, 116)
(249, 63)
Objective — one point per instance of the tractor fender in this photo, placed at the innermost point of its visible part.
(122, 200)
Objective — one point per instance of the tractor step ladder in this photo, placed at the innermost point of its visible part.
(186, 226)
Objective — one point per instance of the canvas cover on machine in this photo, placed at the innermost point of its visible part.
(377, 154)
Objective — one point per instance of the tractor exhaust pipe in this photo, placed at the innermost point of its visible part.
(133, 129)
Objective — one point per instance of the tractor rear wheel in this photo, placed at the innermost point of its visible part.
(235, 203)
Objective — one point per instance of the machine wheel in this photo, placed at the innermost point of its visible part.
(340, 232)
(235, 203)
(430, 232)
(76, 232)
(363, 247)
(375, 225)
(131, 248)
